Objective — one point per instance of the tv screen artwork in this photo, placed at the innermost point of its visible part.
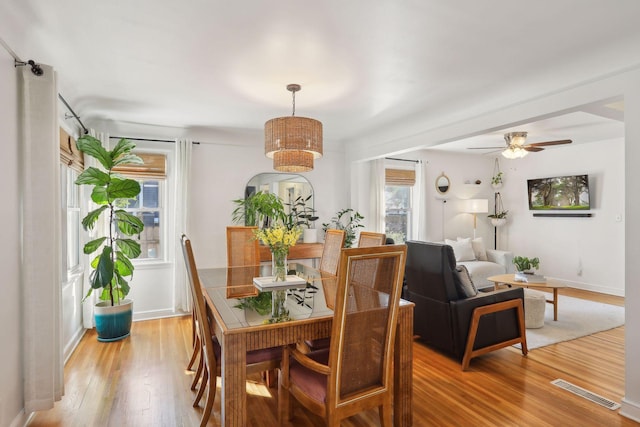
(559, 193)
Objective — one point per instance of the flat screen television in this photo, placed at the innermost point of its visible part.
(559, 193)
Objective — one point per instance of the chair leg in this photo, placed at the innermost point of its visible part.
(196, 351)
(284, 399)
(203, 386)
(271, 377)
(386, 415)
(196, 377)
(211, 396)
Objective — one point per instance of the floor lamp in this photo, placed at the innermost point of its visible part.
(476, 206)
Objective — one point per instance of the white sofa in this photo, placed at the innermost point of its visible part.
(481, 262)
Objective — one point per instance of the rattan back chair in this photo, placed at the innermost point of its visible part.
(257, 360)
(355, 373)
(369, 238)
(242, 246)
(333, 243)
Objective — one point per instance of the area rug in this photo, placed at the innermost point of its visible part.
(576, 318)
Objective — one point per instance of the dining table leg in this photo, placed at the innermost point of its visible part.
(403, 369)
(234, 374)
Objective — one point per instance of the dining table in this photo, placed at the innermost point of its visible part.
(241, 326)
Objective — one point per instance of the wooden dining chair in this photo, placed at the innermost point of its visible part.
(369, 238)
(242, 246)
(333, 243)
(257, 360)
(356, 372)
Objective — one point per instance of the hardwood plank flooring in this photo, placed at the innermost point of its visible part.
(142, 381)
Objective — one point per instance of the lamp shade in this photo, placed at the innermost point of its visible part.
(292, 161)
(293, 133)
(477, 206)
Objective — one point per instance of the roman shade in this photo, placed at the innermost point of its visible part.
(69, 153)
(155, 166)
(405, 177)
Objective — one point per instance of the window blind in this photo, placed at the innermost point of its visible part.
(155, 166)
(405, 177)
(69, 153)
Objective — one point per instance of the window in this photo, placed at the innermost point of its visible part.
(398, 196)
(71, 220)
(148, 206)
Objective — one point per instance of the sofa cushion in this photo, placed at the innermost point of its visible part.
(463, 282)
(462, 249)
(480, 270)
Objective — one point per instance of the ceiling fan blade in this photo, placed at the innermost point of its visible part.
(547, 143)
(533, 149)
(485, 148)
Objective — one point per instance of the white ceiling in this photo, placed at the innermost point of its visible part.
(362, 64)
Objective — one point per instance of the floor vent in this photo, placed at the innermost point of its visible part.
(586, 394)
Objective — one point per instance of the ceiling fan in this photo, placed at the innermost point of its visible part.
(517, 148)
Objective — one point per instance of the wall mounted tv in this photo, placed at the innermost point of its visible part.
(559, 193)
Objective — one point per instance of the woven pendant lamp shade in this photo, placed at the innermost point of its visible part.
(293, 142)
(293, 161)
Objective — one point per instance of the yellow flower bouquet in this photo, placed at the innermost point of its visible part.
(279, 239)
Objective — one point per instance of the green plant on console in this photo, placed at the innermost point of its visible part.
(347, 220)
(111, 192)
(302, 214)
(260, 209)
(525, 264)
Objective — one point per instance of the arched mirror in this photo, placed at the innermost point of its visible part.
(286, 185)
(442, 183)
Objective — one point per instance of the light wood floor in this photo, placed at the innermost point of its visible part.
(141, 381)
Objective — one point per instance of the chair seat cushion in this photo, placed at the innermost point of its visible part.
(310, 382)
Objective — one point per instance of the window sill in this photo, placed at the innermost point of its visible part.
(151, 265)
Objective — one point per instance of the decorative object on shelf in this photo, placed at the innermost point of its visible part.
(524, 264)
(496, 179)
(442, 183)
(293, 142)
(499, 216)
(476, 206)
(113, 315)
(279, 239)
(347, 220)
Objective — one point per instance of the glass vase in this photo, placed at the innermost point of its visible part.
(279, 266)
(279, 310)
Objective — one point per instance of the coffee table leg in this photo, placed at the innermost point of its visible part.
(555, 303)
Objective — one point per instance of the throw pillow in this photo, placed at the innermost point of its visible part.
(463, 282)
(479, 249)
(462, 250)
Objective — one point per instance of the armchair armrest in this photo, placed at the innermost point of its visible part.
(504, 258)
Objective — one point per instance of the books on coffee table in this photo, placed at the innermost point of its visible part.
(529, 278)
(267, 284)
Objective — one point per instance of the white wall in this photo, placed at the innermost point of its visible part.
(11, 390)
(586, 253)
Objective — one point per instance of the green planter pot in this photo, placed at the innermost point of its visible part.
(113, 323)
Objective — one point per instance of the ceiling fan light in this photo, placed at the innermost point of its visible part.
(514, 152)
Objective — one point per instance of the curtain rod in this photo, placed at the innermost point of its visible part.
(35, 68)
(403, 160)
(149, 139)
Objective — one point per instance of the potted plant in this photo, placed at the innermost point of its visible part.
(303, 216)
(524, 264)
(347, 220)
(498, 219)
(112, 265)
(260, 209)
(496, 180)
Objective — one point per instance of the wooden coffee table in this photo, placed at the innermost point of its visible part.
(554, 285)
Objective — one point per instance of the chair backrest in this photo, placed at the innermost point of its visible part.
(242, 247)
(369, 238)
(430, 271)
(199, 304)
(333, 243)
(364, 326)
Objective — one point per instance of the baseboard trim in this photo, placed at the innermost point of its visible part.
(630, 410)
(590, 287)
(157, 314)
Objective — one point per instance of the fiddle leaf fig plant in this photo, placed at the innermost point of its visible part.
(115, 249)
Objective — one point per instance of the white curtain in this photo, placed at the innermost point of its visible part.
(419, 221)
(377, 208)
(181, 214)
(87, 206)
(41, 274)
